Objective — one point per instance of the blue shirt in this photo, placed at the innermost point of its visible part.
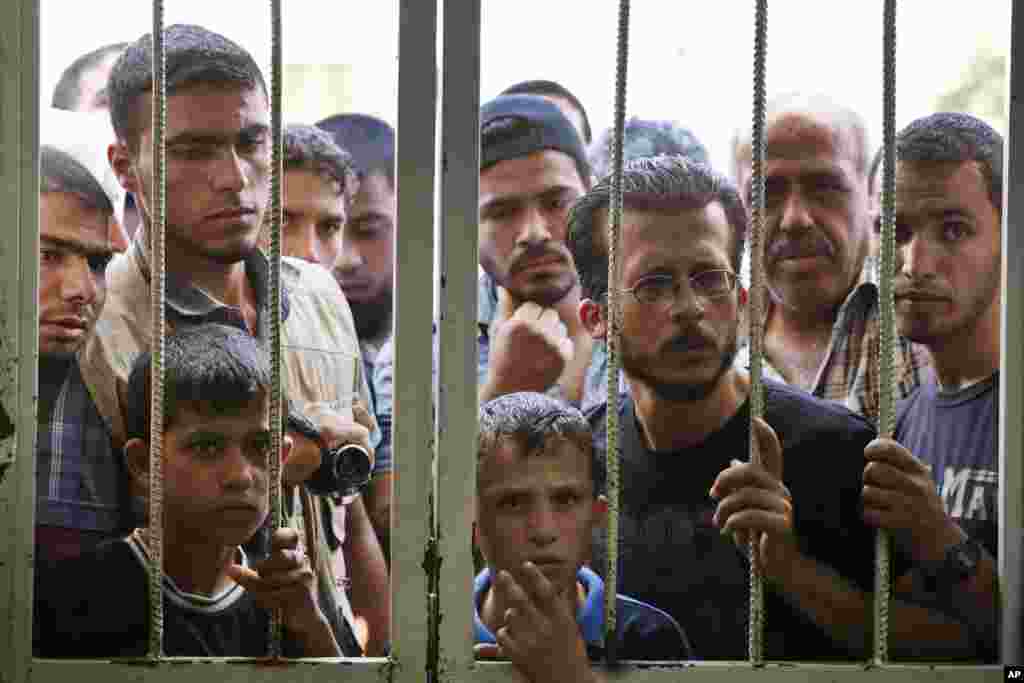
(643, 632)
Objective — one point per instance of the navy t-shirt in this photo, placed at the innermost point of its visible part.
(956, 433)
(672, 557)
(98, 607)
(642, 632)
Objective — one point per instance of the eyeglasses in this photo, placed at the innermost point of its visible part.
(663, 289)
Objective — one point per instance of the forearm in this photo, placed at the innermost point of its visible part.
(377, 499)
(371, 593)
(844, 612)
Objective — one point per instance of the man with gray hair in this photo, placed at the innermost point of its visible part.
(821, 325)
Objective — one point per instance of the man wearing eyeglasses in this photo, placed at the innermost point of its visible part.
(685, 428)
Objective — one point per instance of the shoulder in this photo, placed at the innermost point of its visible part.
(648, 633)
(799, 418)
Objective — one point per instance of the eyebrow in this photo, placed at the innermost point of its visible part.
(208, 138)
(77, 247)
(518, 198)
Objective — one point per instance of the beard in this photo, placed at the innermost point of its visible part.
(373, 317)
(677, 392)
(231, 252)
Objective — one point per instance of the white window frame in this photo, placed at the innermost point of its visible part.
(447, 482)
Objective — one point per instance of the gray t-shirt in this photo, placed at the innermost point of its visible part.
(956, 432)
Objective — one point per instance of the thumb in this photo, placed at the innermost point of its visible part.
(507, 304)
(768, 447)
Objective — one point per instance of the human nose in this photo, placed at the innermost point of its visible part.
(79, 282)
(543, 527)
(305, 245)
(239, 472)
(916, 258)
(685, 303)
(795, 212)
(229, 173)
(349, 257)
(535, 228)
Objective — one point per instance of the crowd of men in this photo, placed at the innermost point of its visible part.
(692, 503)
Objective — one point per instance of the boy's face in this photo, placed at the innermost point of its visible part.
(215, 473)
(538, 507)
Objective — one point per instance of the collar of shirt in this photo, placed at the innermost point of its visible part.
(590, 615)
(486, 301)
(188, 301)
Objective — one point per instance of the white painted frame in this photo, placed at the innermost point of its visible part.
(414, 435)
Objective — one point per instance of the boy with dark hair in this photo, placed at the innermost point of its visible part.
(216, 443)
(536, 506)
(217, 177)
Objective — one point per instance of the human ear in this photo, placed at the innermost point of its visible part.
(592, 317)
(124, 168)
(136, 453)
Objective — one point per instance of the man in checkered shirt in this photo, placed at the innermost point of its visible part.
(821, 323)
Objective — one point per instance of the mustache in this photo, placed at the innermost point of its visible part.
(902, 289)
(806, 245)
(534, 253)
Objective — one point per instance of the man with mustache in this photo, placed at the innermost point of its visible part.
(532, 167)
(821, 320)
(685, 430)
(217, 180)
(942, 505)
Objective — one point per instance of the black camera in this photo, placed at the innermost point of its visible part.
(343, 470)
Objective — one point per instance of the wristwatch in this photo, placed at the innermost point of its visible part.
(959, 564)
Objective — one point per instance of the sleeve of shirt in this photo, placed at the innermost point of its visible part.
(652, 635)
(383, 389)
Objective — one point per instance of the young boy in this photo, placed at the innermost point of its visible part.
(536, 603)
(216, 445)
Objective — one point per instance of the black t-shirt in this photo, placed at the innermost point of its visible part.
(98, 607)
(956, 432)
(672, 557)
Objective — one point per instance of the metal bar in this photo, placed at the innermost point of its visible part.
(276, 213)
(742, 672)
(155, 540)
(457, 405)
(413, 420)
(175, 670)
(755, 630)
(886, 323)
(613, 340)
(1011, 378)
(19, 261)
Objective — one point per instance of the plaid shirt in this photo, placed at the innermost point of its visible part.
(78, 479)
(849, 373)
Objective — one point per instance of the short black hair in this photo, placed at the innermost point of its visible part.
(309, 148)
(213, 369)
(61, 172)
(663, 181)
(954, 136)
(68, 91)
(370, 141)
(552, 89)
(194, 56)
(531, 419)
